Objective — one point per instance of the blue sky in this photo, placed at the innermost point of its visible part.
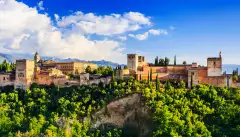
(196, 29)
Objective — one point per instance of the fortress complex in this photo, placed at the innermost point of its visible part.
(192, 74)
(46, 71)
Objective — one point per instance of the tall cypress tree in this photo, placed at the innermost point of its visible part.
(157, 83)
(148, 76)
(151, 74)
(140, 77)
(175, 60)
(156, 61)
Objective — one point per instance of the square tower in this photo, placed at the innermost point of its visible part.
(214, 66)
(132, 61)
(24, 73)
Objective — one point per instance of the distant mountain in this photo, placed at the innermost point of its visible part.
(13, 57)
(7, 57)
(230, 67)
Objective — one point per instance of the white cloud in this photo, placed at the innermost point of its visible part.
(40, 5)
(30, 31)
(122, 38)
(56, 17)
(104, 25)
(158, 32)
(145, 35)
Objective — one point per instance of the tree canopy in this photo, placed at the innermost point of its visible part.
(44, 110)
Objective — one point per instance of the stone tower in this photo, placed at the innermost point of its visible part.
(36, 57)
(36, 68)
(132, 61)
(214, 65)
(24, 74)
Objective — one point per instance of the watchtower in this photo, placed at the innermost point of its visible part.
(132, 61)
(214, 65)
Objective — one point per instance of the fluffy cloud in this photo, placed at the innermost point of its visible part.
(24, 30)
(145, 35)
(139, 36)
(40, 5)
(104, 25)
(158, 32)
(122, 38)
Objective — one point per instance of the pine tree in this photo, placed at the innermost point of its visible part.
(175, 60)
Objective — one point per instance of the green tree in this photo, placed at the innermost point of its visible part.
(151, 74)
(88, 70)
(181, 84)
(157, 83)
(175, 60)
(161, 62)
(156, 61)
(166, 61)
(184, 62)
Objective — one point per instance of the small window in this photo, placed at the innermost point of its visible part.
(3, 78)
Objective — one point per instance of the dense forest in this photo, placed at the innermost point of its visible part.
(175, 110)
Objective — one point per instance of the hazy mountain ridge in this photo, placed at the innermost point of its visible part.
(12, 58)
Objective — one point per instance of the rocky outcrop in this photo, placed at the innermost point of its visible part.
(128, 113)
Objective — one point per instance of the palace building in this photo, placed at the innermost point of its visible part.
(192, 74)
(44, 72)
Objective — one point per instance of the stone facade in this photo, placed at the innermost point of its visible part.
(214, 66)
(192, 74)
(132, 62)
(74, 68)
(24, 73)
(6, 79)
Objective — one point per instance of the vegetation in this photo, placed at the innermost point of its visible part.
(235, 75)
(7, 67)
(156, 61)
(175, 60)
(184, 62)
(102, 70)
(176, 111)
(162, 61)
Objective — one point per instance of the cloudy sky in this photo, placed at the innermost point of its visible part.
(110, 29)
